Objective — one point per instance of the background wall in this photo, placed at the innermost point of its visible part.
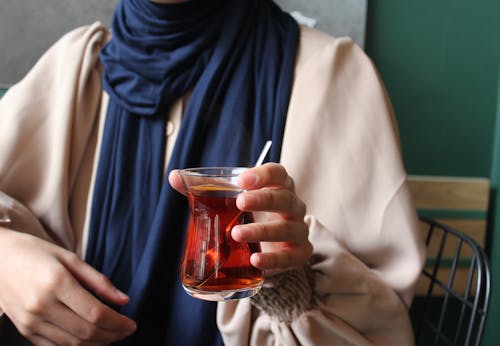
(337, 17)
(440, 61)
(29, 27)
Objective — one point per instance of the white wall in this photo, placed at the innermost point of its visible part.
(336, 17)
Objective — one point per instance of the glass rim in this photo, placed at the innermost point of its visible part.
(215, 171)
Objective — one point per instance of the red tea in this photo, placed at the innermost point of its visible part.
(212, 260)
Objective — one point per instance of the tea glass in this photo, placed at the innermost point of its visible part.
(214, 266)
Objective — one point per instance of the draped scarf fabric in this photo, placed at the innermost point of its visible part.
(237, 59)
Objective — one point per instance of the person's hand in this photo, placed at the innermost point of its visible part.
(48, 293)
(279, 217)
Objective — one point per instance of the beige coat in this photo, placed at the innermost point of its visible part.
(340, 146)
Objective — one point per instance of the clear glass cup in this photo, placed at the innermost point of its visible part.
(214, 266)
(5, 204)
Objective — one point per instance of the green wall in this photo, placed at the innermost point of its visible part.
(440, 62)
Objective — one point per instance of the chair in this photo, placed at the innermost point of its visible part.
(452, 311)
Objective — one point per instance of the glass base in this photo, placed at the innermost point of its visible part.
(218, 296)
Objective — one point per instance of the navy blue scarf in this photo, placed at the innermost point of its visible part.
(237, 57)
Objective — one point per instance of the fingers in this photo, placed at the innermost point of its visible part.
(84, 304)
(78, 327)
(270, 188)
(41, 332)
(274, 231)
(74, 310)
(54, 334)
(286, 258)
(93, 280)
(56, 306)
(70, 292)
(279, 227)
(273, 200)
(41, 341)
(175, 181)
(294, 248)
(267, 175)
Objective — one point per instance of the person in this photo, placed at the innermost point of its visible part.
(90, 143)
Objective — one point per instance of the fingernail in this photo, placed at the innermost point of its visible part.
(238, 232)
(256, 261)
(245, 200)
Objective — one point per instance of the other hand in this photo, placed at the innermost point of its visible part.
(48, 293)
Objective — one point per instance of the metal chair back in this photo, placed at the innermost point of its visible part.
(455, 307)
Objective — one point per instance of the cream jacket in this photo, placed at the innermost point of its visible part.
(340, 146)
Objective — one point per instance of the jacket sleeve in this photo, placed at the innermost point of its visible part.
(46, 122)
(342, 148)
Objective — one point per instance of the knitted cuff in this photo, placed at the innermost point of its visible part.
(287, 297)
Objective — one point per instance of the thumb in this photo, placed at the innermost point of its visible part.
(175, 181)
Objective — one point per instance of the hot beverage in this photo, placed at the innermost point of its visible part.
(214, 266)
